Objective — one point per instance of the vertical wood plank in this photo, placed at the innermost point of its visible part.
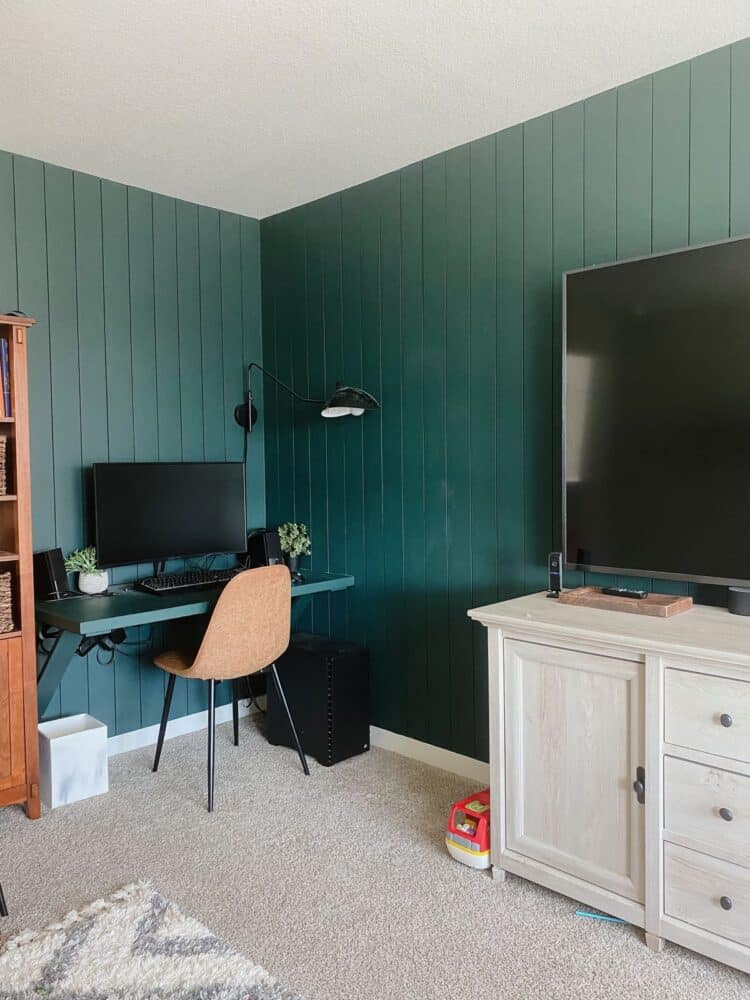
(93, 401)
(634, 190)
(568, 253)
(634, 165)
(212, 381)
(145, 442)
(143, 331)
(335, 430)
(483, 480)
(739, 222)
(167, 330)
(671, 183)
(33, 299)
(600, 178)
(189, 324)
(671, 158)
(351, 292)
(392, 451)
(8, 265)
(270, 274)
(709, 146)
(284, 404)
(458, 448)
(168, 389)
(538, 347)
(31, 245)
(66, 391)
(119, 374)
(600, 204)
(373, 442)
(435, 377)
(511, 539)
(231, 330)
(252, 341)
(419, 691)
(309, 375)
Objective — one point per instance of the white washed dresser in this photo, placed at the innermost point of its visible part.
(620, 764)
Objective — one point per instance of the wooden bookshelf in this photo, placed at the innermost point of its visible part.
(19, 750)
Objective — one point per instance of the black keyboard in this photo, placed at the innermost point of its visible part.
(189, 579)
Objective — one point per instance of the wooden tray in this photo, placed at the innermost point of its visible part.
(655, 605)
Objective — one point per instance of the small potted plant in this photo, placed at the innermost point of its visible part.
(91, 579)
(295, 542)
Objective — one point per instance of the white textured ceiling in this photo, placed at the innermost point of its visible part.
(258, 105)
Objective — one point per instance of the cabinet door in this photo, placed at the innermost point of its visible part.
(12, 740)
(574, 738)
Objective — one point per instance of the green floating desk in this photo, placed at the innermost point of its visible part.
(125, 607)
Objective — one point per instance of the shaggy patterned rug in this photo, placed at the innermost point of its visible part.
(132, 946)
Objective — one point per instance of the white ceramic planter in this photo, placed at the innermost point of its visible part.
(73, 759)
(93, 583)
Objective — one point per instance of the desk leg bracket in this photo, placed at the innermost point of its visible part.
(54, 666)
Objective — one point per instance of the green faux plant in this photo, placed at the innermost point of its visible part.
(82, 561)
(295, 539)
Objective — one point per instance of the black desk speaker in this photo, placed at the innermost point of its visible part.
(326, 683)
(264, 549)
(50, 578)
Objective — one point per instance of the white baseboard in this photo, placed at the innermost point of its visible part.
(148, 736)
(446, 760)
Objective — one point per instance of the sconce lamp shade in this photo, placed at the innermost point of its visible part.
(347, 401)
(246, 414)
(343, 403)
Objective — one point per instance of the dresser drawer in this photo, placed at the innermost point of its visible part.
(708, 713)
(707, 893)
(709, 805)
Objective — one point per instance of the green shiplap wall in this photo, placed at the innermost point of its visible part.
(148, 311)
(438, 288)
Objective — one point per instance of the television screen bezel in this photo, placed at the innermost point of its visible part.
(166, 555)
(618, 570)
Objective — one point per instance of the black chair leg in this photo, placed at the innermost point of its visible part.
(236, 711)
(3, 906)
(164, 720)
(211, 741)
(282, 699)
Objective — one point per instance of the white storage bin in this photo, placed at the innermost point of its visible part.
(73, 759)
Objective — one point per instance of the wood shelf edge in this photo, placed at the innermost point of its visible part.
(6, 320)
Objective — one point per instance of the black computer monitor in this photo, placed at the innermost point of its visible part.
(148, 511)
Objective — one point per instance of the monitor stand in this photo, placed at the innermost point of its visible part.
(160, 566)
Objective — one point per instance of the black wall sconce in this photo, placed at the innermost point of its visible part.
(345, 402)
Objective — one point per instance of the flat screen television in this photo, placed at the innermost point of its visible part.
(656, 415)
(148, 511)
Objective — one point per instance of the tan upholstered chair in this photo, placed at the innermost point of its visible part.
(248, 631)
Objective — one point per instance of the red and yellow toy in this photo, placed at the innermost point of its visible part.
(467, 836)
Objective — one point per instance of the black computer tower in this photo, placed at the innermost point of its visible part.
(326, 683)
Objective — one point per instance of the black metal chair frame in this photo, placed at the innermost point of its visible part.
(235, 722)
(3, 905)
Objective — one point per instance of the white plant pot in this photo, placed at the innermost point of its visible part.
(93, 583)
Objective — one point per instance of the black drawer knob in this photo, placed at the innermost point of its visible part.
(726, 903)
(725, 720)
(726, 814)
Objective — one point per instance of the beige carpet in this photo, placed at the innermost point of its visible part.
(338, 884)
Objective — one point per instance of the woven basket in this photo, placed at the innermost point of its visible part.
(6, 603)
(3, 476)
